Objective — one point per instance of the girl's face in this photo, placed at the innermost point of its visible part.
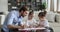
(30, 16)
(41, 18)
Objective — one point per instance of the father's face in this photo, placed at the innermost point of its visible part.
(23, 13)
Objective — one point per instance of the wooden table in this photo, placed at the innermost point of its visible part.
(32, 29)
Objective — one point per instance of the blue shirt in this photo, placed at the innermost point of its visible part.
(12, 18)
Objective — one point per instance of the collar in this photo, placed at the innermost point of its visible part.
(19, 15)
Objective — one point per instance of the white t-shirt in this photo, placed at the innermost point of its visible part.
(31, 22)
(45, 23)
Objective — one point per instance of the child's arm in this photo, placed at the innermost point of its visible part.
(38, 25)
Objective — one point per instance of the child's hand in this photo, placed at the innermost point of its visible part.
(39, 26)
(22, 26)
(30, 26)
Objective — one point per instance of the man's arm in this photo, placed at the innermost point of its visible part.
(13, 27)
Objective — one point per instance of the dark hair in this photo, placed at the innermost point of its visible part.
(23, 8)
(31, 12)
(42, 13)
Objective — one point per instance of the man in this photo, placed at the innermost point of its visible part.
(14, 19)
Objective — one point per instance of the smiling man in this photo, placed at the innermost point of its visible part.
(14, 19)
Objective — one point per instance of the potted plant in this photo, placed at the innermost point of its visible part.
(43, 6)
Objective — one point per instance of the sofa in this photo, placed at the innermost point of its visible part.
(53, 18)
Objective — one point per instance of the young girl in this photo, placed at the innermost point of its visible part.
(31, 22)
(43, 22)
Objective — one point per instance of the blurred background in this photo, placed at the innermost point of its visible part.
(51, 6)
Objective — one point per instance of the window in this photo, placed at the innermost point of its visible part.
(57, 5)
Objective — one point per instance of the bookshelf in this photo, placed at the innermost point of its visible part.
(35, 4)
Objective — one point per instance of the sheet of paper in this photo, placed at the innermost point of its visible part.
(32, 28)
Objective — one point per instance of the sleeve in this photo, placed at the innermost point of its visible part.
(10, 18)
(35, 21)
(46, 23)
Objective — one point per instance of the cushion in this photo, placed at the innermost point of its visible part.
(57, 17)
(50, 16)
